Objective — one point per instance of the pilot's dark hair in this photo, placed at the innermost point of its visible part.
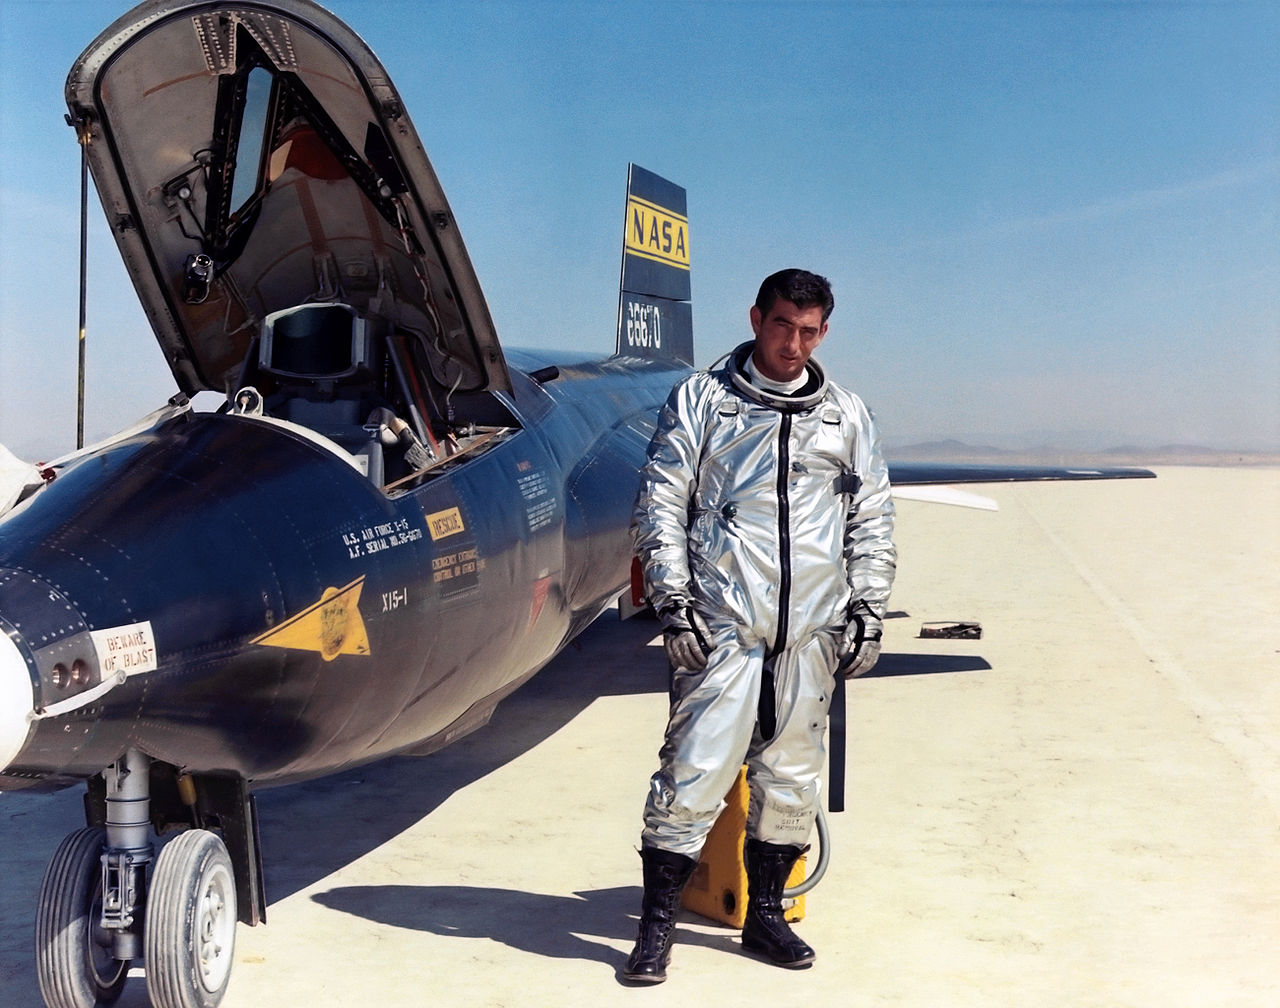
(802, 288)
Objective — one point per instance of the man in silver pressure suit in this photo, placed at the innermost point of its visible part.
(764, 525)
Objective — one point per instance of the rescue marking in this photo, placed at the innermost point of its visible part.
(129, 649)
(656, 233)
(443, 524)
(332, 626)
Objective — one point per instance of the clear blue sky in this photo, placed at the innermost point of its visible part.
(1043, 221)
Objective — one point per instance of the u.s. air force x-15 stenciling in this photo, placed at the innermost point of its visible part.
(377, 538)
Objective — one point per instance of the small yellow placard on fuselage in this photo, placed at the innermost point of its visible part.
(443, 524)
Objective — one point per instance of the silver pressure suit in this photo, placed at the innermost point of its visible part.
(772, 517)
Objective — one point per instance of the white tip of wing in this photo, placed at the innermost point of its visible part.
(946, 495)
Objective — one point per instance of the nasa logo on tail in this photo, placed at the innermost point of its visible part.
(655, 233)
(655, 319)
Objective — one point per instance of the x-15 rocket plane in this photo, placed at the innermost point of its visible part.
(387, 527)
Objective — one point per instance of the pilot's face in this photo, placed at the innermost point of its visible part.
(786, 339)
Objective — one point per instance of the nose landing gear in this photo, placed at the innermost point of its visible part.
(99, 912)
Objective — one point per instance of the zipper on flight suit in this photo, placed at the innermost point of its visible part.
(766, 705)
(784, 535)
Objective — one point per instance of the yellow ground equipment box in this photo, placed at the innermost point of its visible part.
(718, 888)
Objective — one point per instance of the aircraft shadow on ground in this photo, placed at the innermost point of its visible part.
(900, 664)
(377, 802)
(359, 810)
(554, 927)
(382, 800)
(897, 663)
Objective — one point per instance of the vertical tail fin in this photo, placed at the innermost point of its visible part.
(655, 317)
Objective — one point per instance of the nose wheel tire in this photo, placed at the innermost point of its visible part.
(191, 923)
(74, 963)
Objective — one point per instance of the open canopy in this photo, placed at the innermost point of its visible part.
(252, 159)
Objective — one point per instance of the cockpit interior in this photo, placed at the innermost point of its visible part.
(365, 387)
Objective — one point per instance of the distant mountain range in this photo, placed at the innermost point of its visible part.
(951, 450)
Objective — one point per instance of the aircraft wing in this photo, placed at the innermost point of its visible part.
(947, 473)
(938, 482)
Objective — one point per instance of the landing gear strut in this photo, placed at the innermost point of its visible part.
(99, 911)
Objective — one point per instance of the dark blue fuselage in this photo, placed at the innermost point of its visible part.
(302, 618)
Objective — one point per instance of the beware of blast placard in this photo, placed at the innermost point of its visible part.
(129, 649)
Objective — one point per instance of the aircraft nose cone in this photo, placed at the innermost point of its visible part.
(15, 701)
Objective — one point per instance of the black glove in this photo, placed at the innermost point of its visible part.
(685, 637)
(860, 645)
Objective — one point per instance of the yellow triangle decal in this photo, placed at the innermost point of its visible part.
(332, 626)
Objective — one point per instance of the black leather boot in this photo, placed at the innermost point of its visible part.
(665, 875)
(766, 930)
